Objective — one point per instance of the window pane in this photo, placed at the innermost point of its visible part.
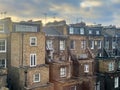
(37, 77)
(49, 44)
(86, 68)
(2, 45)
(83, 44)
(63, 72)
(33, 41)
(2, 63)
(97, 32)
(116, 84)
(92, 44)
(81, 30)
(90, 31)
(71, 30)
(62, 45)
(33, 60)
(72, 44)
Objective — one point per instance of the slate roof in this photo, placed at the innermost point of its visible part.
(51, 31)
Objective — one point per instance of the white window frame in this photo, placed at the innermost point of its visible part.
(97, 32)
(73, 45)
(71, 88)
(116, 82)
(100, 44)
(111, 66)
(97, 86)
(5, 45)
(63, 72)
(34, 42)
(86, 68)
(83, 44)
(33, 62)
(82, 31)
(62, 44)
(90, 31)
(34, 76)
(49, 44)
(2, 30)
(71, 30)
(4, 61)
(113, 44)
(92, 44)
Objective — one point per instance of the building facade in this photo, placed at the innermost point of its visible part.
(5, 29)
(58, 57)
(28, 70)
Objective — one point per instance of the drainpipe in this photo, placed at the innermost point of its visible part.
(22, 48)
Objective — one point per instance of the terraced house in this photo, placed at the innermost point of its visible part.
(5, 29)
(28, 70)
(82, 55)
(58, 58)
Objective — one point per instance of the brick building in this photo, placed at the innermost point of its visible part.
(58, 58)
(108, 74)
(83, 55)
(28, 70)
(111, 40)
(5, 29)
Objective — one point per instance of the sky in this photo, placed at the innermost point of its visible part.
(105, 12)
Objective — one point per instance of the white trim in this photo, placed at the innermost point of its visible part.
(34, 77)
(86, 68)
(35, 41)
(71, 30)
(63, 71)
(33, 61)
(92, 44)
(97, 32)
(5, 45)
(116, 82)
(82, 31)
(90, 31)
(111, 66)
(62, 44)
(5, 61)
(49, 44)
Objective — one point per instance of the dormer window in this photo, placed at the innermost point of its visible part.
(71, 30)
(82, 31)
(90, 31)
(97, 32)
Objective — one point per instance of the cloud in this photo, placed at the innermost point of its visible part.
(99, 11)
(86, 4)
